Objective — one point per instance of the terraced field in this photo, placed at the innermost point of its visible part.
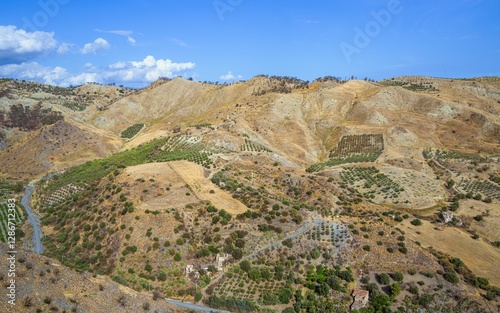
(175, 148)
(19, 218)
(485, 188)
(251, 146)
(189, 148)
(372, 182)
(62, 194)
(358, 144)
(239, 286)
(444, 155)
(353, 149)
(358, 158)
(330, 232)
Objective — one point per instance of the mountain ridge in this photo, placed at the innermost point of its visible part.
(350, 178)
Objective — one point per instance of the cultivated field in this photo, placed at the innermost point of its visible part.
(202, 187)
(178, 175)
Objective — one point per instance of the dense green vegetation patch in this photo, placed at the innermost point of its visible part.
(6, 188)
(131, 131)
(252, 284)
(28, 118)
(161, 150)
(495, 179)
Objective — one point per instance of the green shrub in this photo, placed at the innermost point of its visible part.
(413, 290)
(451, 277)
(397, 276)
(384, 279)
(490, 295)
(120, 280)
(198, 296)
(162, 276)
(416, 222)
(395, 289)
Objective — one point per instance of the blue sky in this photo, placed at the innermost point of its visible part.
(132, 42)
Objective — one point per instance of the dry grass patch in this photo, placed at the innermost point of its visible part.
(201, 186)
(481, 257)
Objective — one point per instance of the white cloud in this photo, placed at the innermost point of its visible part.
(147, 70)
(125, 33)
(118, 65)
(65, 48)
(131, 40)
(127, 73)
(34, 71)
(18, 45)
(93, 47)
(230, 76)
(80, 79)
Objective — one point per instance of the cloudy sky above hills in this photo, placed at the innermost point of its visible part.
(133, 42)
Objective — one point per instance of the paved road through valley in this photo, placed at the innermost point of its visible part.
(194, 307)
(33, 219)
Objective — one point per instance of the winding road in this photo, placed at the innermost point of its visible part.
(33, 219)
(194, 307)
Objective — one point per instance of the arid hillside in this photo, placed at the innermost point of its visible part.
(299, 122)
(302, 124)
(275, 194)
(54, 148)
(44, 285)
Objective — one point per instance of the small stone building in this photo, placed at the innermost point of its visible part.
(447, 217)
(361, 298)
